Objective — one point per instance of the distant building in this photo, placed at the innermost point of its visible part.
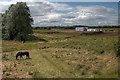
(92, 30)
(81, 28)
(88, 29)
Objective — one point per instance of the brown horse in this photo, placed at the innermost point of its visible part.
(23, 54)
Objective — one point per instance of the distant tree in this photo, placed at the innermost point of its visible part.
(17, 22)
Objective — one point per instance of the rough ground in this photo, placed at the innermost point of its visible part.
(66, 54)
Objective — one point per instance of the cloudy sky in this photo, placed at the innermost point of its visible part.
(52, 13)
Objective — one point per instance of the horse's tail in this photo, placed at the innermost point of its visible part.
(27, 54)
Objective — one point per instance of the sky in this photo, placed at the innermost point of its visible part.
(68, 13)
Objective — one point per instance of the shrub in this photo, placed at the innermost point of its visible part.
(34, 38)
(117, 48)
(102, 51)
(79, 66)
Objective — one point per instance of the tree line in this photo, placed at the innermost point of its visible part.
(70, 27)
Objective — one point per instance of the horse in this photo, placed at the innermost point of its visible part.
(23, 54)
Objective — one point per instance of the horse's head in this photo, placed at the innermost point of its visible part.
(18, 54)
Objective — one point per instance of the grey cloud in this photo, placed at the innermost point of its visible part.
(97, 15)
(91, 15)
(62, 7)
(70, 15)
(40, 8)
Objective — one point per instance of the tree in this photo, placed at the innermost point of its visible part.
(17, 22)
(0, 26)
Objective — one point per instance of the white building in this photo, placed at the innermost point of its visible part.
(92, 30)
(81, 28)
(87, 29)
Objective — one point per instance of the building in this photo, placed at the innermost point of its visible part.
(81, 28)
(87, 29)
(92, 30)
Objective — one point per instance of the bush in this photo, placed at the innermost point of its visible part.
(102, 51)
(34, 38)
(117, 48)
(79, 66)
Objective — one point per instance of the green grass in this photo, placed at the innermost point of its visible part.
(76, 57)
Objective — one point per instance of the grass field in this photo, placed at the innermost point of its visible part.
(64, 54)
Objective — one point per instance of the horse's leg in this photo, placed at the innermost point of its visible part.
(27, 56)
(20, 56)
